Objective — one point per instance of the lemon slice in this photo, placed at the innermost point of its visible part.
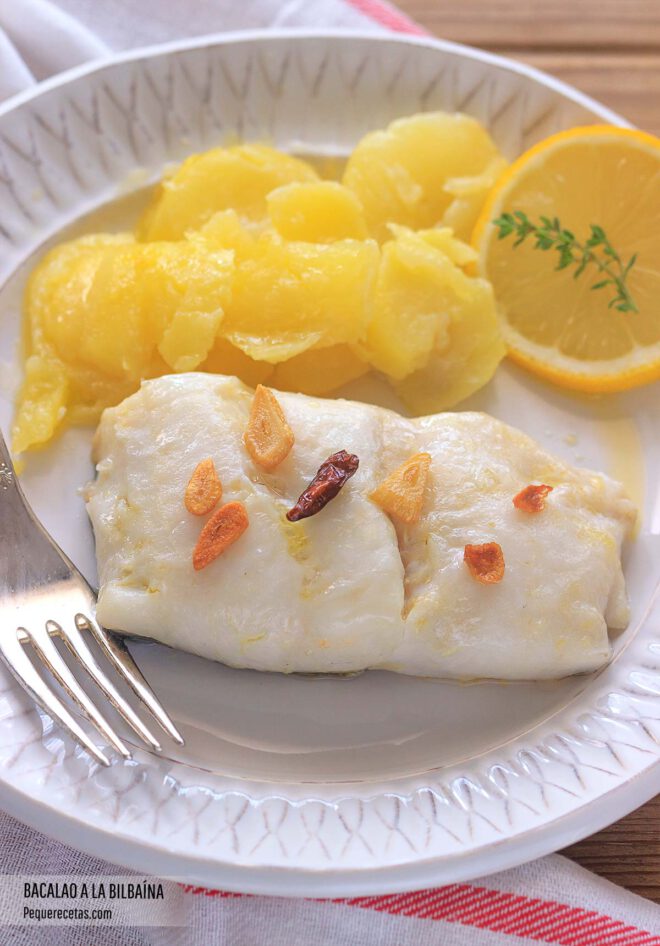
(553, 323)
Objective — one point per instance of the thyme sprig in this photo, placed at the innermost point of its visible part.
(596, 250)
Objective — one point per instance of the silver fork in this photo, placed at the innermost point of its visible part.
(43, 596)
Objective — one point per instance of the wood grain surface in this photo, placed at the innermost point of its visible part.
(609, 49)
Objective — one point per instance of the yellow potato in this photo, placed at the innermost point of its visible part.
(225, 358)
(42, 402)
(399, 174)
(105, 313)
(236, 178)
(409, 307)
(318, 212)
(290, 297)
(225, 230)
(187, 289)
(84, 307)
(469, 195)
(319, 370)
(246, 263)
(466, 354)
(442, 238)
(58, 282)
(121, 302)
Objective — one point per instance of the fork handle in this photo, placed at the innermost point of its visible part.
(7, 472)
(27, 553)
(14, 507)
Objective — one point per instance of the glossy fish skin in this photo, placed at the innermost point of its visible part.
(347, 589)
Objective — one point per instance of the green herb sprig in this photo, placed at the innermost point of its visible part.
(596, 250)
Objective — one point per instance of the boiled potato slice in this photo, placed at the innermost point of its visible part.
(411, 311)
(52, 395)
(409, 307)
(464, 356)
(290, 297)
(104, 313)
(226, 230)
(110, 307)
(399, 174)
(220, 179)
(57, 283)
(90, 393)
(41, 402)
(469, 195)
(317, 212)
(225, 358)
(319, 370)
(85, 305)
(442, 238)
(187, 288)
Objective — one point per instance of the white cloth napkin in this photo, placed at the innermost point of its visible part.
(549, 901)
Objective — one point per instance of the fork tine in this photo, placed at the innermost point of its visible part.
(21, 667)
(78, 647)
(47, 651)
(118, 653)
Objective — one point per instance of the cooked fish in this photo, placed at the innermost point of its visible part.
(351, 588)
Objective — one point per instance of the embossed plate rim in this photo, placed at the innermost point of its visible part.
(241, 36)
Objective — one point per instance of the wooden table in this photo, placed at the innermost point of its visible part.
(607, 48)
(611, 50)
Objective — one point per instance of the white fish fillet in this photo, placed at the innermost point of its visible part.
(345, 590)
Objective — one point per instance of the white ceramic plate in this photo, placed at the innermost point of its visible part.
(292, 785)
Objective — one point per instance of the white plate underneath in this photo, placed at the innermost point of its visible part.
(295, 785)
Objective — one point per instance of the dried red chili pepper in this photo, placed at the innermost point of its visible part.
(331, 476)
